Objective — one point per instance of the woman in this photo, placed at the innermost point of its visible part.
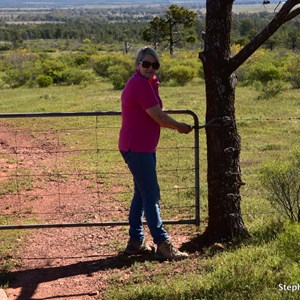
(142, 117)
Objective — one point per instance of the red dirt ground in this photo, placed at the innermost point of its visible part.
(64, 263)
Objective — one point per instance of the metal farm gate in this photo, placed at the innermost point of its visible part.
(71, 160)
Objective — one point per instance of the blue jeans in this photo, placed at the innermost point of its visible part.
(146, 196)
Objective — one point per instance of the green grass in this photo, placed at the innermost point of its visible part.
(11, 185)
(9, 244)
(252, 270)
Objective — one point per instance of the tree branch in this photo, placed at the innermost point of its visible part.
(284, 15)
(294, 13)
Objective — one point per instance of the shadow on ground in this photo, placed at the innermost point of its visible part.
(29, 280)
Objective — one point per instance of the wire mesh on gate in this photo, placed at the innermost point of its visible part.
(64, 170)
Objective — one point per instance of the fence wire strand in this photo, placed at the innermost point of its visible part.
(107, 179)
(104, 198)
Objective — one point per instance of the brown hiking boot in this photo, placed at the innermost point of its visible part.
(166, 251)
(137, 247)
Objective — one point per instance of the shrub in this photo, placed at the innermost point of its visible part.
(75, 76)
(72, 76)
(5, 47)
(185, 63)
(102, 63)
(44, 80)
(81, 59)
(264, 72)
(293, 72)
(282, 184)
(54, 69)
(289, 240)
(181, 75)
(271, 89)
(16, 78)
(164, 74)
(118, 76)
(20, 58)
(3, 85)
(262, 66)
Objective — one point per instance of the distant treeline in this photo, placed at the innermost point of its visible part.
(84, 3)
(122, 24)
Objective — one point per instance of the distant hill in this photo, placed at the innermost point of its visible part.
(74, 3)
(84, 3)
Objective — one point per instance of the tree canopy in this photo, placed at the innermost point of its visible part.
(173, 28)
(133, 24)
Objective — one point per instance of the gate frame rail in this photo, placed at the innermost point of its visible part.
(196, 127)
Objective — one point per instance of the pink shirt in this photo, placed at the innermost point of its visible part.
(139, 132)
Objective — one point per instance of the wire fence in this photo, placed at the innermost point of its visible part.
(64, 170)
(264, 141)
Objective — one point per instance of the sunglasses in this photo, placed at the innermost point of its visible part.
(147, 64)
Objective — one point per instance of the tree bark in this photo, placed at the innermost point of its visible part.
(223, 140)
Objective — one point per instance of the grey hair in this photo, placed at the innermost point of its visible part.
(142, 52)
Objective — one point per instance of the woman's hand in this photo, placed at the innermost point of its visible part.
(165, 120)
(184, 128)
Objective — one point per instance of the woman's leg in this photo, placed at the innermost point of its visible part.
(143, 169)
(136, 213)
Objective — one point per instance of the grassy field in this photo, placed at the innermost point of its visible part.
(255, 8)
(255, 269)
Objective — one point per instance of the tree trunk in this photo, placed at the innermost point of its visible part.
(223, 140)
(171, 38)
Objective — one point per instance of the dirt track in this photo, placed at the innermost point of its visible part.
(65, 263)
